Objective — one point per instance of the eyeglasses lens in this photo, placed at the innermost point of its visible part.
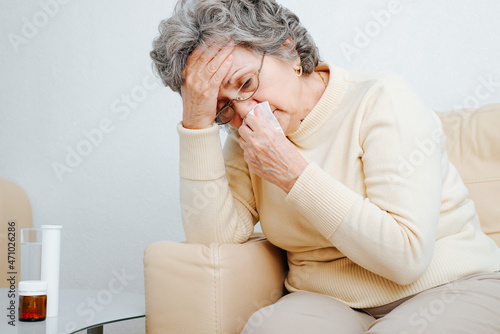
(245, 92)
(225, 115)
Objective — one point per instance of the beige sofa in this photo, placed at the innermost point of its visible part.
(15, 214)
(199, 289)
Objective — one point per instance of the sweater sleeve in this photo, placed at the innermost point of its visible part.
(391, 230)
(211, 211)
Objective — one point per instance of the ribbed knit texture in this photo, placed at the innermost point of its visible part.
(377, 215)
(197, 161)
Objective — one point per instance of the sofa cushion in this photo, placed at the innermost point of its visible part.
(193, 288)
(473, 147)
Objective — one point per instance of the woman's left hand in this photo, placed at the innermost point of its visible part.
(269, 154)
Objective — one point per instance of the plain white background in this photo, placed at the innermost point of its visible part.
(89, 133)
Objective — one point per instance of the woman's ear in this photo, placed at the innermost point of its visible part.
(290, 45)
(288, 42)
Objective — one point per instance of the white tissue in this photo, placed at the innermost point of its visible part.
(268, 115)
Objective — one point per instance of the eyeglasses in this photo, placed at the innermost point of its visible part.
(245, 92)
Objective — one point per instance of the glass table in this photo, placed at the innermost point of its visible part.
(78, 310)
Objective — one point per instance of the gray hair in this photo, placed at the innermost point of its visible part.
(262, 26)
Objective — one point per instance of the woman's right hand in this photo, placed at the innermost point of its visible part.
(203, 73)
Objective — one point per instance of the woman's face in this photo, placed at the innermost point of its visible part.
(278, 84)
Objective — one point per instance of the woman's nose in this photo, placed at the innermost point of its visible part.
(242, 108)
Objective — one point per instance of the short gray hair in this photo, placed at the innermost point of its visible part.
(262, 26)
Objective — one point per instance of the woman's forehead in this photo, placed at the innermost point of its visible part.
(242, 55)
(243, 59)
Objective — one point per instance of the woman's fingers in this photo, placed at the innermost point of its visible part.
(256, 132)
(269, 154)
(257, 122)
(218, 67)
(208, 62)
(222, 71)
(205, 69)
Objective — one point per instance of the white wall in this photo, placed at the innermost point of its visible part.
(81, 70)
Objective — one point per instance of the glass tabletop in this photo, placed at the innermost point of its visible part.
(78, 310)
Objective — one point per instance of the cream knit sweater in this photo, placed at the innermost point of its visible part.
(379, 214)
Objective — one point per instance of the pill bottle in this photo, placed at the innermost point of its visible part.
(32, 300)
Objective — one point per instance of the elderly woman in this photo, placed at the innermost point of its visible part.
(377, 240)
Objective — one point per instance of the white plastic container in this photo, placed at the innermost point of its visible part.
(51, 253)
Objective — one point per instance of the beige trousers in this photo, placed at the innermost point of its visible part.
(469, 305)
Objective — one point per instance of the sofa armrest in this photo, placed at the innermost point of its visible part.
(193, 288)
(15, 209)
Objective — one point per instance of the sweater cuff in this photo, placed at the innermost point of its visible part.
(200, 153)
(322, 199)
